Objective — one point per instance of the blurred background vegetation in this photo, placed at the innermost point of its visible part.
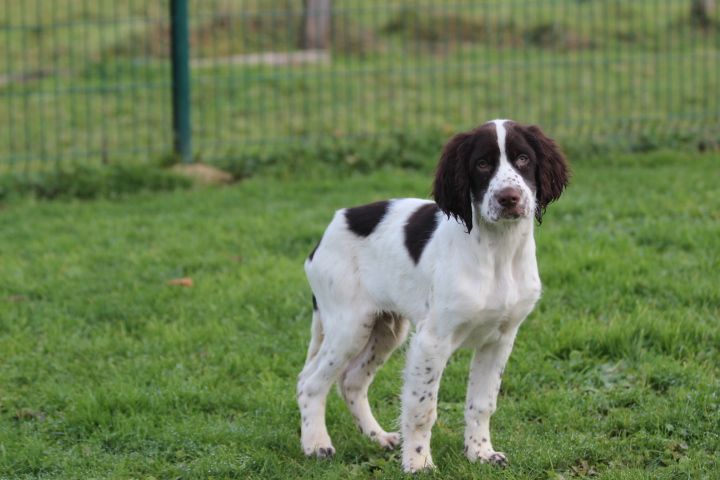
(344, 81)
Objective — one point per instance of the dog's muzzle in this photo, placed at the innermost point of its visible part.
(509, 199)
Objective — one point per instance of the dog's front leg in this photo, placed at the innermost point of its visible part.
(426, 360)
(485, 377)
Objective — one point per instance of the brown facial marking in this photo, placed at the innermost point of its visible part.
(551, 170)
(520, 154)
(484, 160)
(466, 166)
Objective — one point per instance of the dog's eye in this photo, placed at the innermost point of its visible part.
(522, 160)
(483, 165)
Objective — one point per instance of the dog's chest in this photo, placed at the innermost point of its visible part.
(491, 304)
(503, 297)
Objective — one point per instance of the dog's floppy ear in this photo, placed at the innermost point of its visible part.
(552, 172)
(451, 188)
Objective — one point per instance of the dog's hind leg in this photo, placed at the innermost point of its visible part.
(388, 332)
(324, 365)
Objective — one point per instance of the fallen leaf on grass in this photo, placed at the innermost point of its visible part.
(28, 414)
(16, 298)
(583, 469)
(182, 282)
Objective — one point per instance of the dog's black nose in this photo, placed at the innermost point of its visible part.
(508, 197)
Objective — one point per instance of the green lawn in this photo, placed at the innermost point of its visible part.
(106, 371)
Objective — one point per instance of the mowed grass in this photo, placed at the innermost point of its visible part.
(106, 371)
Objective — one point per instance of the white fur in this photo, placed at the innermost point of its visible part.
(468, 290)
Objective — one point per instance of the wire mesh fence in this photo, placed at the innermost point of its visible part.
(90, 81)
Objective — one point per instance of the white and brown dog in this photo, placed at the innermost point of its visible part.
(461, 269)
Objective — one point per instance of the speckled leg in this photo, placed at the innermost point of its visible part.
(426, 360)
(485, 377)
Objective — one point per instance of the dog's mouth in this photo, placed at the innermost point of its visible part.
(493, 212)
(510, 213)
(513, 213)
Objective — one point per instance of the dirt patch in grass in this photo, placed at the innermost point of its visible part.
(203, 174)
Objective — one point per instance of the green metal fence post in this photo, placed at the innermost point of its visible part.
(180, 56)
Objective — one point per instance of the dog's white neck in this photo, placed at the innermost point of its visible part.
(507, 240)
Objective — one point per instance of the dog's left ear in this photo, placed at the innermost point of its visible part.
(552, 172)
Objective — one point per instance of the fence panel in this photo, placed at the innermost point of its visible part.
(84, 80)
(80, 82)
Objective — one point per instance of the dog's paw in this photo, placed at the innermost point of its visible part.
(388, 440)
(496, 458)
(415, 463)
(417, 467)
(317, 444)
(487, 456)
(320, 452)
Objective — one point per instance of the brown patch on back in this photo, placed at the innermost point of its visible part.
(362, 220)
(419, 229)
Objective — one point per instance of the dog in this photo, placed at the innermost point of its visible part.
(462, 270)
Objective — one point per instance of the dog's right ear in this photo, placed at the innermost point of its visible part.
(451, 188)
(552, 174)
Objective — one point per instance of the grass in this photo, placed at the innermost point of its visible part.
(88, 181)
(90, 81)
(108, 371)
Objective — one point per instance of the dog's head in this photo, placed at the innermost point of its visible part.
(501, 171)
